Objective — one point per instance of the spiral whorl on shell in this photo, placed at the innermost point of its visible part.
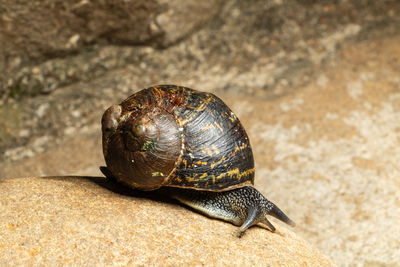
(175, 136)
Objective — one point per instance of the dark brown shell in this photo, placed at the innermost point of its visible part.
(170, 135)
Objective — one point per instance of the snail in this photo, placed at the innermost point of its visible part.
(190, 145)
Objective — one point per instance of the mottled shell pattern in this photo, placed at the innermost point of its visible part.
(174, 136)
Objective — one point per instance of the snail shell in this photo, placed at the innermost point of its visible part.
(177, 137)
(191, 143)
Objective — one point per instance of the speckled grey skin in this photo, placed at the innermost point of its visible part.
(243, 206)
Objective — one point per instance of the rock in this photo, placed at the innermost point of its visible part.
(318, 96)
(69, 26)
(36, 30)
(183, 17)
(255, 49)
(89, 221)
(329, 154)
(237, 40)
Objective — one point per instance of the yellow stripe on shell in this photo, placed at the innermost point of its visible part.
(216, 163)
(236, 172)
(207, 151)
(203, 176)
(219, 126)
(215, 149)
(209, 126)
(202, 107)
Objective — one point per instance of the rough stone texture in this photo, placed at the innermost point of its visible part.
(79, 221)
(327, 154)
(330, 154)
(182, 18)
(266, 49)
(315, 84)
(243, 39)
(34, 31)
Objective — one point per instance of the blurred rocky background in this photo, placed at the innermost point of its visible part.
(315, 83)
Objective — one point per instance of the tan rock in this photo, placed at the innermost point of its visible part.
(329, 155)
(80, 221)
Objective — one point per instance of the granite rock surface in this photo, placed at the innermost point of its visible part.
(89, 221)
(315, 83)
(327, 154)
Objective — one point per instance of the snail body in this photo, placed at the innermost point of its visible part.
(192, 146)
